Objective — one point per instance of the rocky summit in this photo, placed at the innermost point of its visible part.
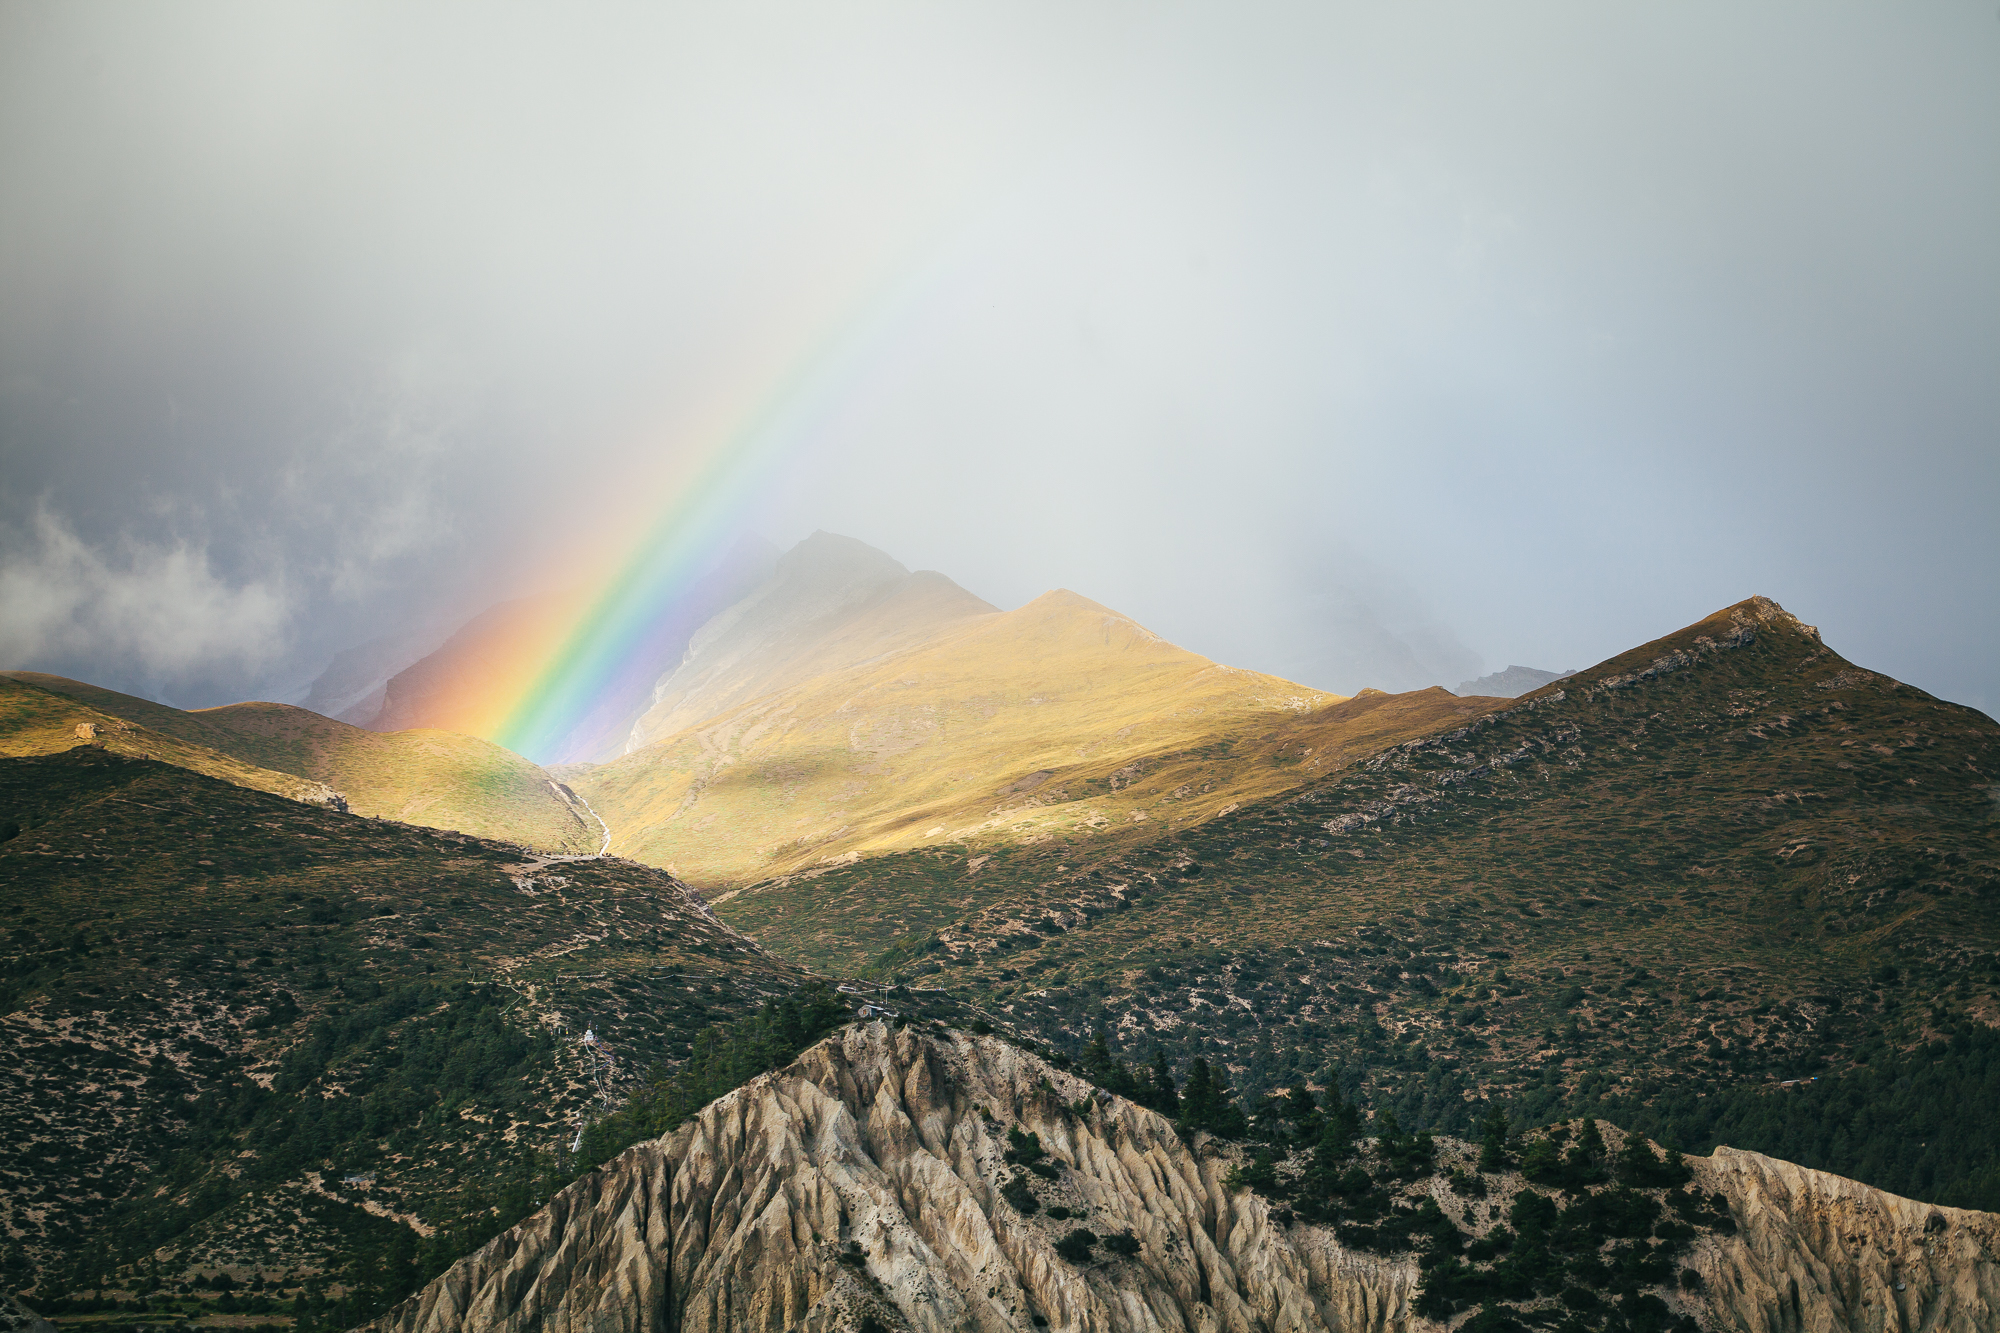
(921, 1178)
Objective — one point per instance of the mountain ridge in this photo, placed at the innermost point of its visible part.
(216, 1004)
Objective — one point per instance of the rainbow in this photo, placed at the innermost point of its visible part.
(612, 639)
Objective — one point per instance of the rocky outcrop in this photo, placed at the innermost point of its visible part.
(867, 1186)
(1819, 1253)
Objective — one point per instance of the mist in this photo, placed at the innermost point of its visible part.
(1366, 345)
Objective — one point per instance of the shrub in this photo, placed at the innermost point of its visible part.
(1075, 1247)
(1017, 1193)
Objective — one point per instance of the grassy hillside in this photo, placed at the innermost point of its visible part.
(1055, 721)
(215, 1005)
(439, 779)
(38, 721)
(1722, 860)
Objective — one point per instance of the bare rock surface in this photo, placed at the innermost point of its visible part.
(1820, 1253)
(863, 1187)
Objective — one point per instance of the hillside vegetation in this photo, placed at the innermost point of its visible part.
(1723, 860)
(439, 779)
(216, 1005)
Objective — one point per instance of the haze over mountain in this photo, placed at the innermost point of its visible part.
(355, 682)
(492, 662)
(1348, 344)
(831, 602)
(1511, 683)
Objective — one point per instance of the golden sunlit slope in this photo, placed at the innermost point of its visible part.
(38, 721)
(435, 778)
(830, 603)
(1057, 718)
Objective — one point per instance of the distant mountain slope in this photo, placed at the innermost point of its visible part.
(1722, 859)
(1512, 683)
(216, 1006)
(830, 603)
(1056, 718)
(475, 675)
(434, 778)
(354, 685)
(482, 672)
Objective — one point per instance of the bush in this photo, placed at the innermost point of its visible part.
(1124, 1244)
(1075, 1247)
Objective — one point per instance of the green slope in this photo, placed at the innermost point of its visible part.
(215, 1004)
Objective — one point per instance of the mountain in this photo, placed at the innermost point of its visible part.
(931, 1180)
(1652, 890)
(434, 778)
(218, 1006)
(831, 603)
(482, 671)
(355, 683)
(1512, 683)
(1024, 725)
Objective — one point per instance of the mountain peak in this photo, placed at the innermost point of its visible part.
(830, 602)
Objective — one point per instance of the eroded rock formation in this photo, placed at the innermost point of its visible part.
(865, 1187)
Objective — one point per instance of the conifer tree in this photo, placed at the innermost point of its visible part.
(1591, 1142)
(1166, 1098)
(1493, 1140)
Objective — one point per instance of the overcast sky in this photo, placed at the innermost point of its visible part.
(1369, 345)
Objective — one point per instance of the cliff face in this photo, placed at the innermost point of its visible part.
(863, 1188)
(1821, 1253)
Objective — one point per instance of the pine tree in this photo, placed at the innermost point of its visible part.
(1198, 1098)
(1341, 1129)
(1591, 1142)
(1166, 1098)
(1493, 1140)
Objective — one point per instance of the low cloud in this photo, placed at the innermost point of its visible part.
(159, 611)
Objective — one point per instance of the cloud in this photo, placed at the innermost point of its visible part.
(367, 496)
(157, 610)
